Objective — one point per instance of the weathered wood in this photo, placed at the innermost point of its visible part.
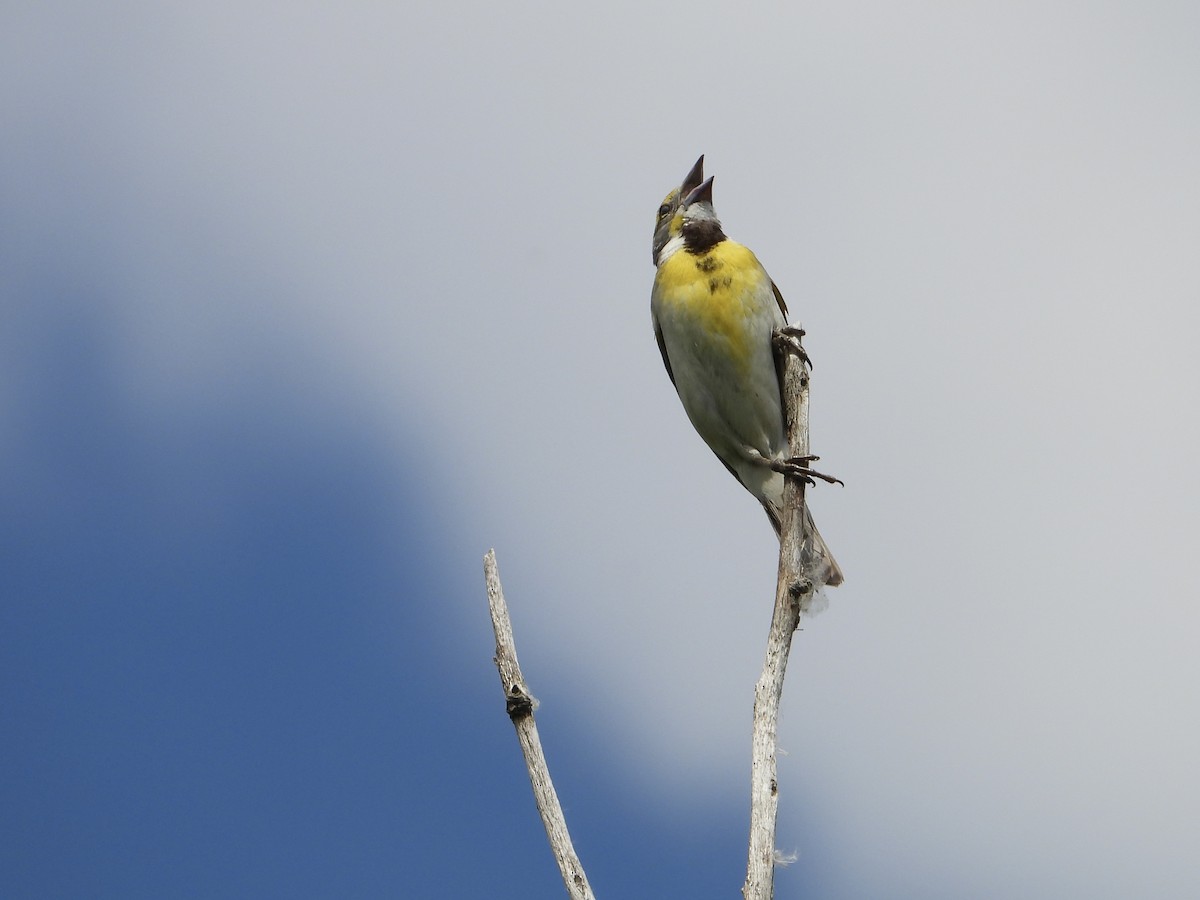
(520, 704)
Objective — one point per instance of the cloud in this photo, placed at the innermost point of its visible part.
(432, 228)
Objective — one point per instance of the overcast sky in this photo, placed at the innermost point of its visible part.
(304, 307)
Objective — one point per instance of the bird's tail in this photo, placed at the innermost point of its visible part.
(819, 564)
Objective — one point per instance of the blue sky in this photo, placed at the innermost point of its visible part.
(224, 669)
(303, 309)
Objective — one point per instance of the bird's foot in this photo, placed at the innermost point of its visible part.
(797, 467)
(787, 340)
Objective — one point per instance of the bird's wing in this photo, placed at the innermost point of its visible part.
(662, 348)
(779, 300)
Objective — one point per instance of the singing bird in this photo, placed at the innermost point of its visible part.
(716, 312)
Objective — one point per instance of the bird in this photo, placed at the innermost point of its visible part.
(716, 313)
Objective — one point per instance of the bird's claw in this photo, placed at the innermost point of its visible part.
(787, 340)
(797, 467)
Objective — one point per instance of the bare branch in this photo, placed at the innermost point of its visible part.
(520, 705)
(793, 591)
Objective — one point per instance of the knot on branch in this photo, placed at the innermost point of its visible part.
(800, 591)
(518, 703)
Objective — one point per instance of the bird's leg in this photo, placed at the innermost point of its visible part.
(787, 340)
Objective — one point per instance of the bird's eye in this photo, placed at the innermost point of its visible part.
(664, 209)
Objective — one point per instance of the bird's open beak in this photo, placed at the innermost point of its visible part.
(701, 194)
(693, 178)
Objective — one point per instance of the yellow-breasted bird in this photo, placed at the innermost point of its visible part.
(716, 312)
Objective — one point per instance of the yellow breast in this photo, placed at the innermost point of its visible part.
(722, 295)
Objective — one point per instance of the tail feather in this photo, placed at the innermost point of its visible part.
(819, 564)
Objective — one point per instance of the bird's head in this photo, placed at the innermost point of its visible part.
(668, 222)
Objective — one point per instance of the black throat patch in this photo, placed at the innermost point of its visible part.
(700, 237)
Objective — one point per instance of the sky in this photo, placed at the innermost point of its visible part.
(304, 307)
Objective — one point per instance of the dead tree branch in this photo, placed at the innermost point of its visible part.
(520, 705)
(792, 591)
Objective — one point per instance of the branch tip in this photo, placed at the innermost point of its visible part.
(520, 704)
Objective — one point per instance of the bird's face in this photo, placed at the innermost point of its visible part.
(668, 222)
